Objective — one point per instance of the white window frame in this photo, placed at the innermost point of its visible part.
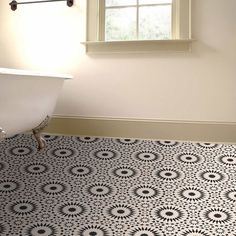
(102, 13)
(181, 31)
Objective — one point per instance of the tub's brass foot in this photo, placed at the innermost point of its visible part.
(38, 133)
(2, 134)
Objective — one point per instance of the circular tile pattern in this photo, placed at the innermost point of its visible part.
(100, 190)
(62, 152)
(167, 143)
(120, 211)
(71, 209)
(127, 141)
(227, 160)
(42, 229)
(189, 158)
(147, 156)
(8, 186)
(124, 172)
(170, 228)
(207, 145)
(191, 194)
(51, 138)
(230, 195)
(135, 182)
(86, 139)
(20, 151)
(212, 176)
(3, 229)
(13, 137)
(22, 208)
(36, 168)
(168, 174)
(143, 231)
(194, 233)
(145, 192)
(217, 215)
(3, 166)
(53, 188)
(93, 231)
(169, 214)
(105, 154)
(80, 170)
(221, 231)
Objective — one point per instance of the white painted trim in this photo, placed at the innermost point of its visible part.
(175, 19)
(177, 45)
(208, 131)
(143, 120)
(181, 30)
(101, 27)
(20, 72)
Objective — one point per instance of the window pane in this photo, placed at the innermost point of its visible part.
(120, 24)
(154, 1)
(110, 3)
(155, 22)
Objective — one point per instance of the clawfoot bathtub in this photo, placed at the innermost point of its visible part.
(27, 101)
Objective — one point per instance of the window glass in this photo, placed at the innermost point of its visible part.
(110, 3)
(125, 20)
(120, 24)
(155, 1)
(155, 22)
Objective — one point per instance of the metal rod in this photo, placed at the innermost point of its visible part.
(40, 1)
(14, 3)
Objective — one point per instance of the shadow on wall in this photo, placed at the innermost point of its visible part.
(43, 36)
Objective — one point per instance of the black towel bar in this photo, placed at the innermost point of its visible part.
(14, 3)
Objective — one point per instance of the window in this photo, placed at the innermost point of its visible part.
(117, 23)
(137, 19)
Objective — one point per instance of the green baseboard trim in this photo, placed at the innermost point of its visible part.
(146, 129)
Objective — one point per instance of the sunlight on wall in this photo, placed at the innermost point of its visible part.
(48, 35)
(198, 86)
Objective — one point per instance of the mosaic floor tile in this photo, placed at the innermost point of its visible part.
(91, 186)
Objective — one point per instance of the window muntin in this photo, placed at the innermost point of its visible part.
(137, 20)
(180, 40)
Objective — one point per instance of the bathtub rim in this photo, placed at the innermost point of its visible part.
(21, 72)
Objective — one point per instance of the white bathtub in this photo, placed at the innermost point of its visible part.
(27, 98)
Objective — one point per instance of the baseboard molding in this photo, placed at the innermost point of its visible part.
(145, 129)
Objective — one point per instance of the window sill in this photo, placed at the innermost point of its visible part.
(143, 46)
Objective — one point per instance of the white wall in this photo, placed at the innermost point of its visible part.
(197, 86)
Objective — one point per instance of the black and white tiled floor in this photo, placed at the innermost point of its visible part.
(91, 186)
